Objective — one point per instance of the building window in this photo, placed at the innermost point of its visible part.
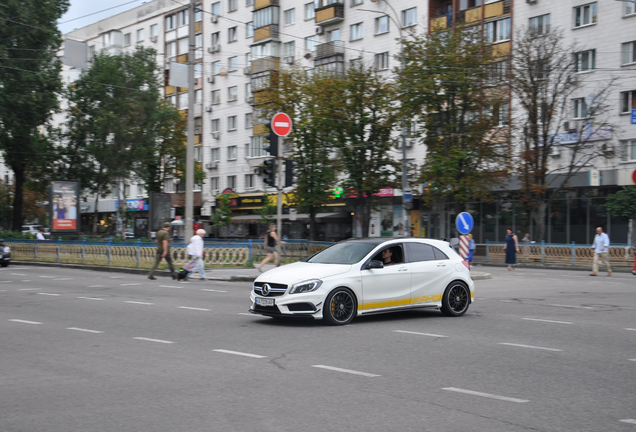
(231, 152)
(333, 35)
(127, 39)
(183, 18)
(216, 67)
(214, 184)
(232, 34)
(630, 8)
(584, 61)
(310, 11)
(628, 150)
(468, 4)
(382, 61)
(290, 16)
(310, 43)
(248, 89)
(198, 70)
(628, 101)
(216, 97)
(197, 153)
(498, 31)
(154, 30)
(182, 100)
(579, 108)
(382, 25)
(215, 125)
(540, 25)
(170, 22)
(629, 52)
(357, 31)
(498, 72)
(249, 181)
(169, 185)
(231, 123)
(140, 35)
(172, 99)
(249, 29)
(501, 113)
(197, 96)
(182, 46)
(215, 39)
(232, 64)
(231, 182)
(585, 15)
(216, 8)
(256, 147)
(232, 93)
(356, 2)
(232, 5)
(409, 17)
(215, 155)
(249, 2)
(248, 121)
(289, 49)
(141, 191)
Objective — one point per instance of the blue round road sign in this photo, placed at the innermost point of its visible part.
(464, 223)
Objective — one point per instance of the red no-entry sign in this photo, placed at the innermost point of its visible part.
(281, 124)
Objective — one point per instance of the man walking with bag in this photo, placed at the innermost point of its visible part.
(163, 251)
(195, 250)
(601, 251)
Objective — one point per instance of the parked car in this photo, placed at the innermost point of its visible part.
(351, 278)
(5, 254)
(31, 229)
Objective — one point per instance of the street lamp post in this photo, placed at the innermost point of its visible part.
(404, 132)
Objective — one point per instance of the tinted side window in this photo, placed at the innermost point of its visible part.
(420, 252)
(439, 255)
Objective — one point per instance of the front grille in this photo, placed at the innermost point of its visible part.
(275, 290)
(266, 309)
(301, 307)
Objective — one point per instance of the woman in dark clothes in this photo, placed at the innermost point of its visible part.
(511, 248)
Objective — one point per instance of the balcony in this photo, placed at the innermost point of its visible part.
(265, 64)
(260, 4)
(329, 49)
(267, 32)
(330, 14)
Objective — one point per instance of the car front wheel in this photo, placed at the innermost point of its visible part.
(341, 307)
(456, 299)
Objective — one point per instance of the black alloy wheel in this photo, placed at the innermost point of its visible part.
(456, 299)
(341, 307)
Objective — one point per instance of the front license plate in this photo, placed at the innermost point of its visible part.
(264, 301)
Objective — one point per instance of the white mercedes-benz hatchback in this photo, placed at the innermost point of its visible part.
(367, 276)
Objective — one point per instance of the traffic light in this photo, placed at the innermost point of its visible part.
(269, 172)
(290, 172)
(272, 145)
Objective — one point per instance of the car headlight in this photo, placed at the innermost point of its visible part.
(305, 286)
(7, 250)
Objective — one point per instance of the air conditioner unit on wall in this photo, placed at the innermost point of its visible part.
(208, 108)
(555, 151)
(289, 60)
(153, 39)
(211, 165)
(531, 1)
(211, 79)
(320, 30)
(215, 18)
(216, 135)
(247, 70)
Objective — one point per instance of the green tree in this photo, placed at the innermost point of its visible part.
(363, 116)
(443, 89)
(120, 128)
(31, 84)
(222, 217)
(622, 204)
(309, 99)
(268, 210)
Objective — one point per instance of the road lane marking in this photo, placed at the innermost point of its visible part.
(629, 421)
(138, 302)
(47, 277)
(529, 346)
(486, 395)
(170, 286)
(366, 374)
(28, 289)
(239, 353)
(48, 294)
(6, 281)
(245, 313)
(26, 280)
(24, 321)
(83, 330)
(630, 329)
(96, 286)
(90, 298)
(18, 274)
(153, 340)
(211, 290)
(417, 333)
(193, 308)
(116, 277)
(545, 320)
(131, 284)
(632, 360)
(570, 306)
(63, 279)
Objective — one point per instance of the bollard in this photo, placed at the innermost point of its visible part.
(59, 249)
(138, 252)
(543, 252)
(573, 254)
(249, 246)
(83, 250)
(110, 243)
(487, 244)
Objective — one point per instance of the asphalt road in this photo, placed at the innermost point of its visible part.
(539, 350)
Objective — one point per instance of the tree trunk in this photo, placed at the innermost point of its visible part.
(539, 217)
(312, 223)
(364, 212)
(18, 199)
(96, 216)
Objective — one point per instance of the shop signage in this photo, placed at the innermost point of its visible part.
(135, 204)
(587, 134)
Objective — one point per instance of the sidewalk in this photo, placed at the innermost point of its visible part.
(228, 274)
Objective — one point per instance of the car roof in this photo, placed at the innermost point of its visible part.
(381, 240)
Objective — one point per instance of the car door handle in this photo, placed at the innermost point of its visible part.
(441, 265)
(403, 269)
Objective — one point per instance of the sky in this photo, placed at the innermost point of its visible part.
(100, 8)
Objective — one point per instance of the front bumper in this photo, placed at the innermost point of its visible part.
(290, 306)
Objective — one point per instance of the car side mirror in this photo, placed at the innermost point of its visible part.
(374, 264)
(454, 242)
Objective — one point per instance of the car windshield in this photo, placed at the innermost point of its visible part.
(343, 253)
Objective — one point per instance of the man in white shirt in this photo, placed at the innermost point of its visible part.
(601, 251)
(40, 235)
(195, 250)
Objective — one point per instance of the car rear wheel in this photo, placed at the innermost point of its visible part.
(341, 307)
(456, 299)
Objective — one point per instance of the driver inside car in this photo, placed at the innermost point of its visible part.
(387, 257)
